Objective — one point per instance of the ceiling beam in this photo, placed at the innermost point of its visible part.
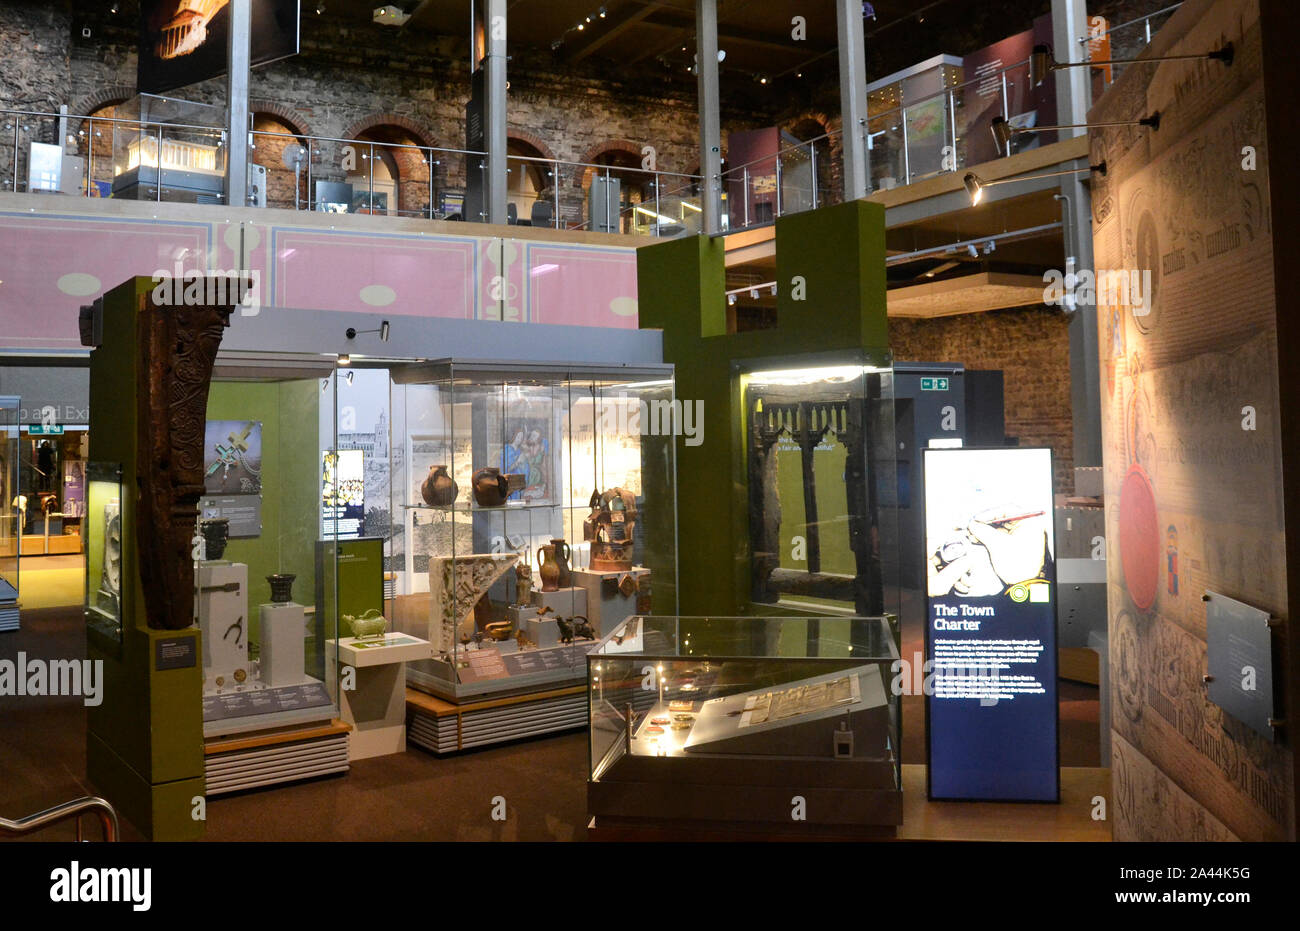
(616, 23)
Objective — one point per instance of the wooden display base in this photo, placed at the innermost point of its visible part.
(263, 758)
(444, 727)
(923, 820)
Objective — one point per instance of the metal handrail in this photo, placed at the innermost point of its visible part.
(1083, 40)
(68, 810)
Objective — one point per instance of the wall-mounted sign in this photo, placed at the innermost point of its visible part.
(991, 624)
(1239, 653)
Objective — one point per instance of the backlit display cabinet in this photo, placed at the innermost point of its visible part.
(105, 554)
(719, 720)
(822, 480)
(10, 512)
(537, 512)
(264, 546)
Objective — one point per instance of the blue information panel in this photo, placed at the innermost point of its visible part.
(990, 639)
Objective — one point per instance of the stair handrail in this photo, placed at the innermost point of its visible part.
(74, 810)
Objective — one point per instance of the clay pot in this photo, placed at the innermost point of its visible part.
(439, 488)
(216, 533)
(492, 488)
(553, 565)
(281, 587)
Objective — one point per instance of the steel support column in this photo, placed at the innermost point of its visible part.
(1073, 100)
(853, 98)
(238, 62)
(706, 67)
(494, 41)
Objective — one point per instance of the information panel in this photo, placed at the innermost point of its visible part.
(990, 638)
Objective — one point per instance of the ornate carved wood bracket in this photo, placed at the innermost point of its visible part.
(178, 345)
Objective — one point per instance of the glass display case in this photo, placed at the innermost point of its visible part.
(530, 522)
(723, 719)
(10, 512)
(175, 152)
(265, 550)
(104, 552)
(822, 478)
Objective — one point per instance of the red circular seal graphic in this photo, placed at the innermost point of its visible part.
(1139, 538)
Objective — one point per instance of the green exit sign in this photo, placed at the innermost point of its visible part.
(934, 384)
(37, 429)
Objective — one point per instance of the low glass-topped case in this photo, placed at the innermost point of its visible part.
(823, 487)
(104, 552)
(725, 719)
(265, 545)
(10, 512)
(529, 525)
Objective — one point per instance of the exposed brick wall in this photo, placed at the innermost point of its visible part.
(1031, 346)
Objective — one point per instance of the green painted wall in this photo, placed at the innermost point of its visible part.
(289, 412)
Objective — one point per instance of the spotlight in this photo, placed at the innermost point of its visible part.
(722, 55)
(753, 294)
(731, 299)
(115, 8)
(581, 26)
(1003, 130)
(345, 359)
(320, 9)
(1041, 63)
(990, 247)
(975, 187)
(774, 290)
(974, 253)
(602, 12)
(868, 11)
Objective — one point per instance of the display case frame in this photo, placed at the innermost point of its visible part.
(576, 426)
(106, 556)
(718, 721)
(11, 518)
(264, 553)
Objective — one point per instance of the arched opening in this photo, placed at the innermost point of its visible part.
(272, 134)
(94, 143)
(531, 187)
(807, 168)
(391, 174)
(616, 189)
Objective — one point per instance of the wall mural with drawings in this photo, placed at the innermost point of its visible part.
(1192, 446)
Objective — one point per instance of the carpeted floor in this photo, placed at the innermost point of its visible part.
(411, 796)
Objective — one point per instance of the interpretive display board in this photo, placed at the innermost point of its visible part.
(990, 637)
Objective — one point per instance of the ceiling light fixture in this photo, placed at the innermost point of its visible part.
(975, 185)
(1041, 62)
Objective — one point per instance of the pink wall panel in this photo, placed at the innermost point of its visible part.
(428, 276)
(51, 265)
(582, 285)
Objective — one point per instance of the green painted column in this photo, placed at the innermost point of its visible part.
(144, 744)
(830, 308)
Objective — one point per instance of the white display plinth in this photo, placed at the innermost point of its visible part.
(376, 706)
(282, 628)
(606, 605)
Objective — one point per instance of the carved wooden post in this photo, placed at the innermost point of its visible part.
(178, 345)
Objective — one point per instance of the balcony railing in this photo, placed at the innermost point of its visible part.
(941, 133)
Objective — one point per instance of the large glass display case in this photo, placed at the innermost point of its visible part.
(724, 719)
(10, 512)
(530, 525)
(821, 470)
(265, 554)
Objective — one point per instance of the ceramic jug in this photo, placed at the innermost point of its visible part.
(553, 565)
(439, 488)
(491, 488)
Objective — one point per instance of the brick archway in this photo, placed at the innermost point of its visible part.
(420, 133)
(522, 135)
(107, 96)
(285, 114)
